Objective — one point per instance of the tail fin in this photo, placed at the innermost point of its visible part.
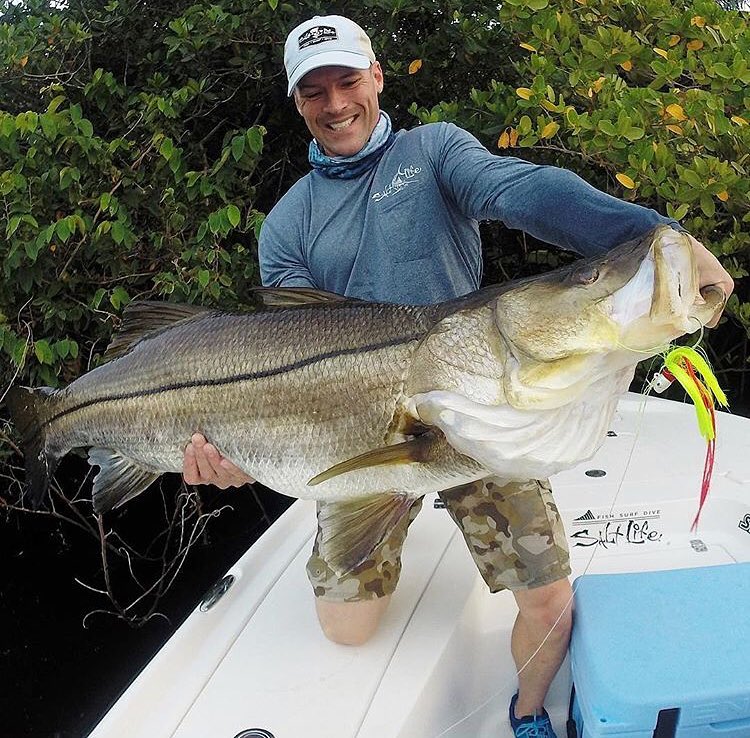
(26, 407)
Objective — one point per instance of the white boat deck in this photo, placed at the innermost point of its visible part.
(440, 665)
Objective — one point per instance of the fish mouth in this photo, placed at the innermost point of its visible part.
(714, 299)
(662, 300)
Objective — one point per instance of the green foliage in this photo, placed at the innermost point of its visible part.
(141, 145)
(647, 100)
(130, 145)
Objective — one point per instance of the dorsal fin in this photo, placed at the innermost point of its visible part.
(285, 297)
(147, 318)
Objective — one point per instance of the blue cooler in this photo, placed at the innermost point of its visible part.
(663, 654)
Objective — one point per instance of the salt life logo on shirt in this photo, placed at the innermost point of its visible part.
(401, 180)
(317, 35)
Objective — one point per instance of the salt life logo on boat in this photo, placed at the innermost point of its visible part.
(745, 523)
(628, 527)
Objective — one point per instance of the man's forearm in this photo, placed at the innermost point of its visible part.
(557, 206)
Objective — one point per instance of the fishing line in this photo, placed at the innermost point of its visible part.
(494, 695)
(663, 348)
(666, 353)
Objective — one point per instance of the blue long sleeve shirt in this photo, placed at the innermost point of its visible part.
(407, 231)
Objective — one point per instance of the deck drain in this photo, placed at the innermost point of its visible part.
(595, 473)
(255, 733)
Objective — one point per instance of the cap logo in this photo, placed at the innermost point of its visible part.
(317, 35)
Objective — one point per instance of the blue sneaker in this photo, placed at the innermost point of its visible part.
(530, 726)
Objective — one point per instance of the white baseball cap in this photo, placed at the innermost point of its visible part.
(325, 41)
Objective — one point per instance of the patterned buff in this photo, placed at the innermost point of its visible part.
(348, 167)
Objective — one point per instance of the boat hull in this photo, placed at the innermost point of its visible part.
(257, 659)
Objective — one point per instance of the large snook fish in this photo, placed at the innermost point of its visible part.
(372, 405)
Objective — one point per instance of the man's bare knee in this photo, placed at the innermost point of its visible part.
(548, 606)
(351, 623)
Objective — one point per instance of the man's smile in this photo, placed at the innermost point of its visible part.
(340, 125)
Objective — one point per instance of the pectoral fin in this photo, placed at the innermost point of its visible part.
(353, 529)
(119, 479)
(416, 449)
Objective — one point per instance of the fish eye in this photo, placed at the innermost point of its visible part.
(587, 276)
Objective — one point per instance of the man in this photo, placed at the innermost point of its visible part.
(394, 217)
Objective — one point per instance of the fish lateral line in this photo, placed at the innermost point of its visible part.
(233, 379)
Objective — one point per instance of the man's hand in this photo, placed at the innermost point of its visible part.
(711, 272)
(203, 464)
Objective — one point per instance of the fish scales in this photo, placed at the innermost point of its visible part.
(336, 399)
(280, 392)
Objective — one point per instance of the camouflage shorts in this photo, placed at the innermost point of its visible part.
(513, 531)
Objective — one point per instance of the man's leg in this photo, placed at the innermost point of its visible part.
(515, 535)
(544, 613)
(351, 607)
(351, 623)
